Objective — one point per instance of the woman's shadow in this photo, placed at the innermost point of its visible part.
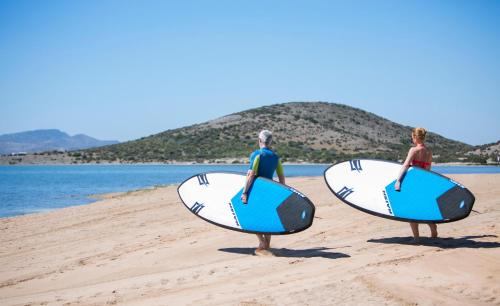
(285, 252)
(444, 243)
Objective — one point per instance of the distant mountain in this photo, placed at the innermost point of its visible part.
(47, 140)
(303, 131)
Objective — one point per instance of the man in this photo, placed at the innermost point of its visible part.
(263, 162)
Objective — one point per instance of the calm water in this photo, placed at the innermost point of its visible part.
(30, 189)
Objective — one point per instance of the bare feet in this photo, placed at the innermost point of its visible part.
(414, 229)
(263, 252)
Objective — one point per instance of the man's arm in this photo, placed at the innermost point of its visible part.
(250, 177)
(280, 172)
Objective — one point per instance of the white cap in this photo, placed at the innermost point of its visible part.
(266, 137)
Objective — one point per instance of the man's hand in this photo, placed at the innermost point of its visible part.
(397, 186)
(244, 198)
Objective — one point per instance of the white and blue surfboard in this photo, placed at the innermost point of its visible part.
(272, 208)
(425, 196)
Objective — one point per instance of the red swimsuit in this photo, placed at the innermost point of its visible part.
(420, 164)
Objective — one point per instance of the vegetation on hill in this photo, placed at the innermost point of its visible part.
(303, 132)
(488, 153)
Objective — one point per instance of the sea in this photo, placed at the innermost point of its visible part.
(33, 189)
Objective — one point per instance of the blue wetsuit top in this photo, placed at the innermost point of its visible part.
(264, 162)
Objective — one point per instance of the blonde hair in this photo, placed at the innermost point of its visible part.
(419, 133)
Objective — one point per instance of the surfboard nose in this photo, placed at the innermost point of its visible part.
(295, 213)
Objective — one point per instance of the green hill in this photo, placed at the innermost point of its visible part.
(303, 131)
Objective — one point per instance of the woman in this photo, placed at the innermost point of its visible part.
(418, 156)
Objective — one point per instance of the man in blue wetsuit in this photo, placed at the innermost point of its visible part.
(263, 162)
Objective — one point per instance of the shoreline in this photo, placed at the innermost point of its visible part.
(95, 197)
(119, 194)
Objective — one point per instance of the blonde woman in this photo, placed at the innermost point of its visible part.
(418, 156)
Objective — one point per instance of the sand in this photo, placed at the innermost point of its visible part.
(145, 248)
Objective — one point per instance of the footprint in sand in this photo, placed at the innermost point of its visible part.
(82, 262)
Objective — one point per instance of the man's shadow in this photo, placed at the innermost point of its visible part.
(444, 243)
(285, 252)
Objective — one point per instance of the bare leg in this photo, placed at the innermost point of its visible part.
(434, 232)
(262, 242)
(268, 241)
(414, 229)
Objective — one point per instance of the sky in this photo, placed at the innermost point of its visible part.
(121, 70)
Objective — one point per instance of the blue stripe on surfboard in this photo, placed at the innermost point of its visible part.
(418, 196)
(260, 213)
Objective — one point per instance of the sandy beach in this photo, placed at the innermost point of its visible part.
(145, 248)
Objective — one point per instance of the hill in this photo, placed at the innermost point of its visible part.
(488, 153)
(303, 132)
(47, 140)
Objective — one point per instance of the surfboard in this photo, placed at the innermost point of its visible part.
(272, 208)
(425, 196)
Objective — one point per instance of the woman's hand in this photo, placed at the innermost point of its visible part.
(244, 198)
(397, 186)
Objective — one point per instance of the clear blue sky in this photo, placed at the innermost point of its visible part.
(126, 69)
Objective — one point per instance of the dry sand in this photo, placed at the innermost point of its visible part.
(145, 248)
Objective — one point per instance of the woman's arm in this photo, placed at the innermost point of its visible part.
(406, 165)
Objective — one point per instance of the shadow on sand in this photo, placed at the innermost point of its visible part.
(444, 243)
(284, 252)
